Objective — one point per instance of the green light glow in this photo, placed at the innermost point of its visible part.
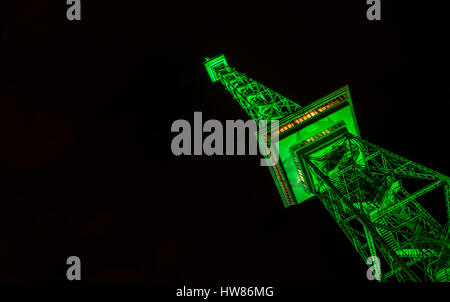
(341, 112)
(215, 62)
(365, 188)
(260, 102)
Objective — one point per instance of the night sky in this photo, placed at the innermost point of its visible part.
(85, 115)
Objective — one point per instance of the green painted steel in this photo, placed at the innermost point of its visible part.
(260, 102)
(377, 198)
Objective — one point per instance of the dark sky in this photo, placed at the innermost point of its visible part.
(85, 115)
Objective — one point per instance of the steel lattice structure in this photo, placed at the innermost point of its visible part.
(260, 102)
(366, 193)
(377, 198)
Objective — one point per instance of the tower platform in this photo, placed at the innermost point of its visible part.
(311, 131)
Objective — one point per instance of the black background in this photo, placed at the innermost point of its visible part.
(85, 115)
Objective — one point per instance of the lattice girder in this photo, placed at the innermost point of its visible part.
(368, 199)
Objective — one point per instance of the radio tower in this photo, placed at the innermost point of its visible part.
(376, 197)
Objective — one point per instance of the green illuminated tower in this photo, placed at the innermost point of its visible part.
(381, 201)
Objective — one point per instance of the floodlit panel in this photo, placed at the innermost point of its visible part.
(316, 122)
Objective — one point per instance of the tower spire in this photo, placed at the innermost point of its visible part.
(260, 102)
